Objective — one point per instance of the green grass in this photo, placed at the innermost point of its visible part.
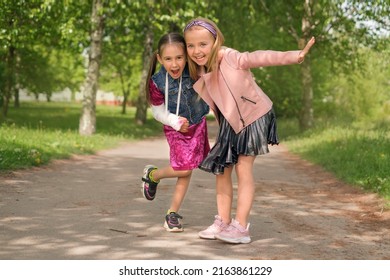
(37, 133)
(358, 153)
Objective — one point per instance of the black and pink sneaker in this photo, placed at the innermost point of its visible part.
(149, 188)
(172, 222)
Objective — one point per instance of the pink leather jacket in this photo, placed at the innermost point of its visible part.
(233, 89)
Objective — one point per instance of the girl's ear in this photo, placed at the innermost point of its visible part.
(159, 59)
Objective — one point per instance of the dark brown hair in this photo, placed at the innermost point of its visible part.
(167, 39)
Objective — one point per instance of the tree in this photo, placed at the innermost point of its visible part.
(23, 56)
(87, 124)
(142, 105)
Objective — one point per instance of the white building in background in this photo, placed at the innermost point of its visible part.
(107, 98)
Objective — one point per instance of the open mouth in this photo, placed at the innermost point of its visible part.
(175, 73)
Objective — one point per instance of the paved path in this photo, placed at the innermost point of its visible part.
(91, 207)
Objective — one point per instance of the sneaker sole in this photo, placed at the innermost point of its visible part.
(210, 237)
(243, 240)
(175, 229)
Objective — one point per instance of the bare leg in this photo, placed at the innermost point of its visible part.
(180, 192)
(225, 195)
(246, 188)
(183, 181)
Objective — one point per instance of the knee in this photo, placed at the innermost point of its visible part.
(185, 173)
(245, 164)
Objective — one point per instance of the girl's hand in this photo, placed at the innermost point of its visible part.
(306, 49)
(184, 125)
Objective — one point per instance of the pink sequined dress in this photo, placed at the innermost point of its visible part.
(187, 150)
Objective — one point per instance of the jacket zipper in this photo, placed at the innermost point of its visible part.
(247, 99)
(235, 101)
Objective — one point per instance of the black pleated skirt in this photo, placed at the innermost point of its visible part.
(253, 140)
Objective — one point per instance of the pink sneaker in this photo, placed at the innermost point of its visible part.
(214, 229)
(235, 233)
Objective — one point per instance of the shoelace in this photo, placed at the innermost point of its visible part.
(173, 217)
(217, 225)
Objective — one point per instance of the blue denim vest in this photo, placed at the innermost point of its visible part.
(192, 107)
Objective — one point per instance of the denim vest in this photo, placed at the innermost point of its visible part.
(191, 106)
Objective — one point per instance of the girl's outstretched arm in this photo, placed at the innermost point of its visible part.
(306, 49)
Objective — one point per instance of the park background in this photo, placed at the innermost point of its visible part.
(334, 109)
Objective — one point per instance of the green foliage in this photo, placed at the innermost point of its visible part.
(55, 60)
(288, 128)
(362, 94)
(68, 69)
(28, 34)
(40, 132)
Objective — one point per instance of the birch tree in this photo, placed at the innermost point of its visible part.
(87, 124)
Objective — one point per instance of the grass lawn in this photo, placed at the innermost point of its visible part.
(39, 132)
(358, 153)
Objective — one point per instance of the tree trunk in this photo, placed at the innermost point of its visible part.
(125, 91)
(125, 99)
(306, 118)
(16, 96)
(142, 105)
(9, 79)
(16, 85)
(87, 124)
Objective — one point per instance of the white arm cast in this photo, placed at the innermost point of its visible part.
(165, 117)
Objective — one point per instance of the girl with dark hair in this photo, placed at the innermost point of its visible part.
(178, 107)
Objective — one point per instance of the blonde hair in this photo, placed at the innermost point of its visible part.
(212, 63)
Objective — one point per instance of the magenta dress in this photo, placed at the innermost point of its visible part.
(186, 150)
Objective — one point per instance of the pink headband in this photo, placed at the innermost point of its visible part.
(204, 24)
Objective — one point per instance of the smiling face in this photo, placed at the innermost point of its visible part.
(199, 43)
(173, 58)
